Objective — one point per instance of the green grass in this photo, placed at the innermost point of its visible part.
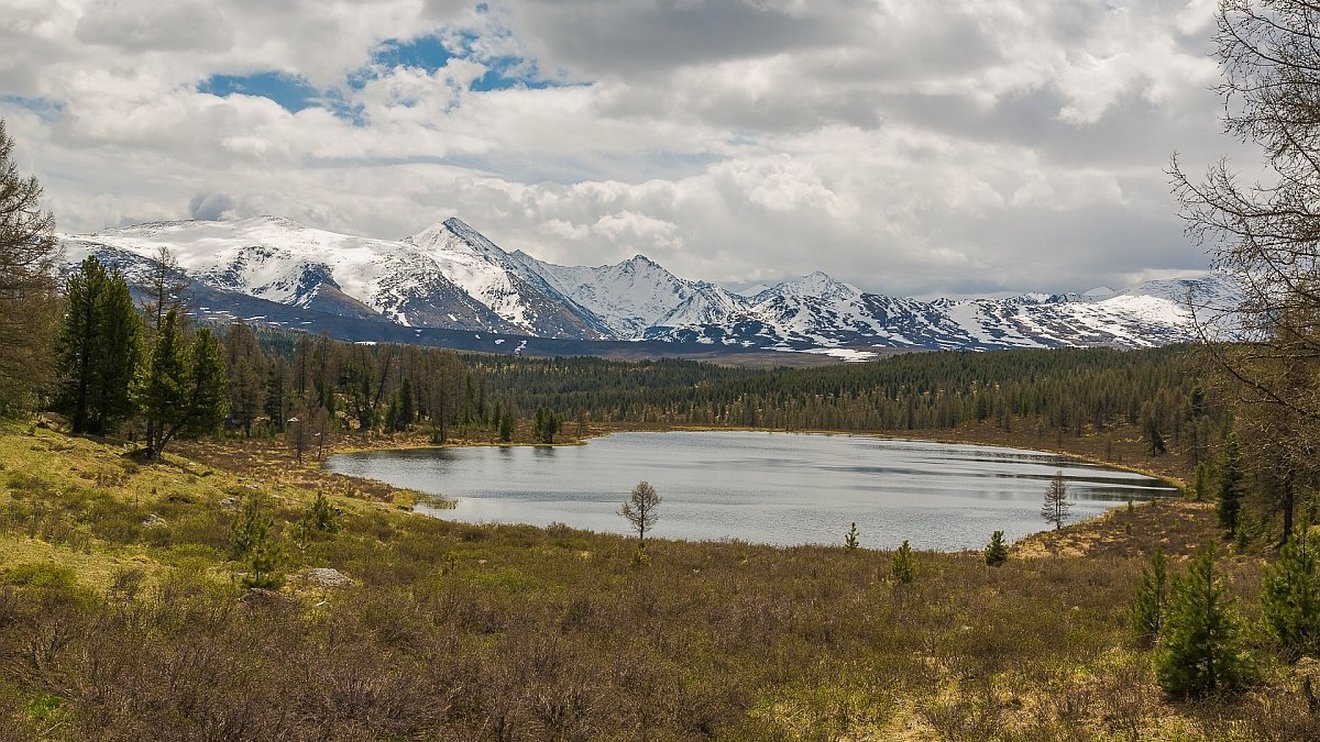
(114, 629)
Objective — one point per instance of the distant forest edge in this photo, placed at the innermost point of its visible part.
(1069, 391)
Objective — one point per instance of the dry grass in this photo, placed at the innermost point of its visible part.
(456, 631)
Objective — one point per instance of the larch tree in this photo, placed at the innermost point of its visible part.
(1057, 503)
(29, 296)
(641, 510)
(1265, 234)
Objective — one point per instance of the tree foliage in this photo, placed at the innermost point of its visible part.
(254, 547)
(1200, 647)
(1146, 612)
(184, 390)
(1265, 233)
(1232, 488)
(904, 566)
(996, 552)
(99, 348)
(29, 300)
(1291, 597)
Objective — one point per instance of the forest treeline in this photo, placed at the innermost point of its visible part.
(1071, 390)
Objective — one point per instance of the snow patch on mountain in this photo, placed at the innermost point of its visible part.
(450, 276)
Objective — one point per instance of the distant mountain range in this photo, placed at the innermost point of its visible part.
(450, 285)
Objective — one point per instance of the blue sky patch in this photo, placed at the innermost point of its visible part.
(46, 110)
(431, 52)
(292, 92)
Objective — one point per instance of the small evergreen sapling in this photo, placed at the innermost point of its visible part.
(319, 518)
(850, 541)
(996, 552)
(255, 547)
(1291, 597)
(904, 567)
(1146, 613)
(1199, 650)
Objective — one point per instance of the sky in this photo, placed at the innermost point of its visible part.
(910, 148)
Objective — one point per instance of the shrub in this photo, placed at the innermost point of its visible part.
(41, 575)
(255, 547)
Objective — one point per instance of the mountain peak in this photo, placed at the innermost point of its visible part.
(816, 283)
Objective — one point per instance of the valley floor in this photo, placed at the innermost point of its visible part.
(121, 618)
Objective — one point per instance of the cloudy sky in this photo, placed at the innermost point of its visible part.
(912, 148)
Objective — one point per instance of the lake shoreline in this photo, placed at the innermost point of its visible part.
(740, 473)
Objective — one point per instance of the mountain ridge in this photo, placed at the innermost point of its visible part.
(449, 276)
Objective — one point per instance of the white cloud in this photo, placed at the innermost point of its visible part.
(942, 147)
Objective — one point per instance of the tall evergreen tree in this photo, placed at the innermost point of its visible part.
(245, 369)
(1231, 485)
(100, 348)
(277, 395)
(184, 390)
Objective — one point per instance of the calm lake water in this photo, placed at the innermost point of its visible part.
(777, 488)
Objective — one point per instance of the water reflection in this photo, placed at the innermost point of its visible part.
(781, 488)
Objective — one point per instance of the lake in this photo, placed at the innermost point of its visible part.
(776, 488)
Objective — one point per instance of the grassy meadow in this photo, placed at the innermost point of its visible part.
(122, 617)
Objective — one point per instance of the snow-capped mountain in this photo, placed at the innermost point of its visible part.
(450, 277)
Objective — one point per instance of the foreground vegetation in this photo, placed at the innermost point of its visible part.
(122, 616)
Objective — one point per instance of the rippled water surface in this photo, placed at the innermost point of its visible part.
(779, 488)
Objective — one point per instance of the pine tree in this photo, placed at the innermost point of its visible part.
(1291, 597)
(1231, 486)
(547, 424)
(506, 425)
(276, 394)
(245, 368)
(320, 516)
(255, 548)
(1057, 503)
(904, 566)
(184, 391)
(996, 552)
(1146, 613)
(208, 404)
(850, 541)
(1199, 649)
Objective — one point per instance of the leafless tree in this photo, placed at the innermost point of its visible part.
(1266, 234)
(640, 509)
(1055, 509)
